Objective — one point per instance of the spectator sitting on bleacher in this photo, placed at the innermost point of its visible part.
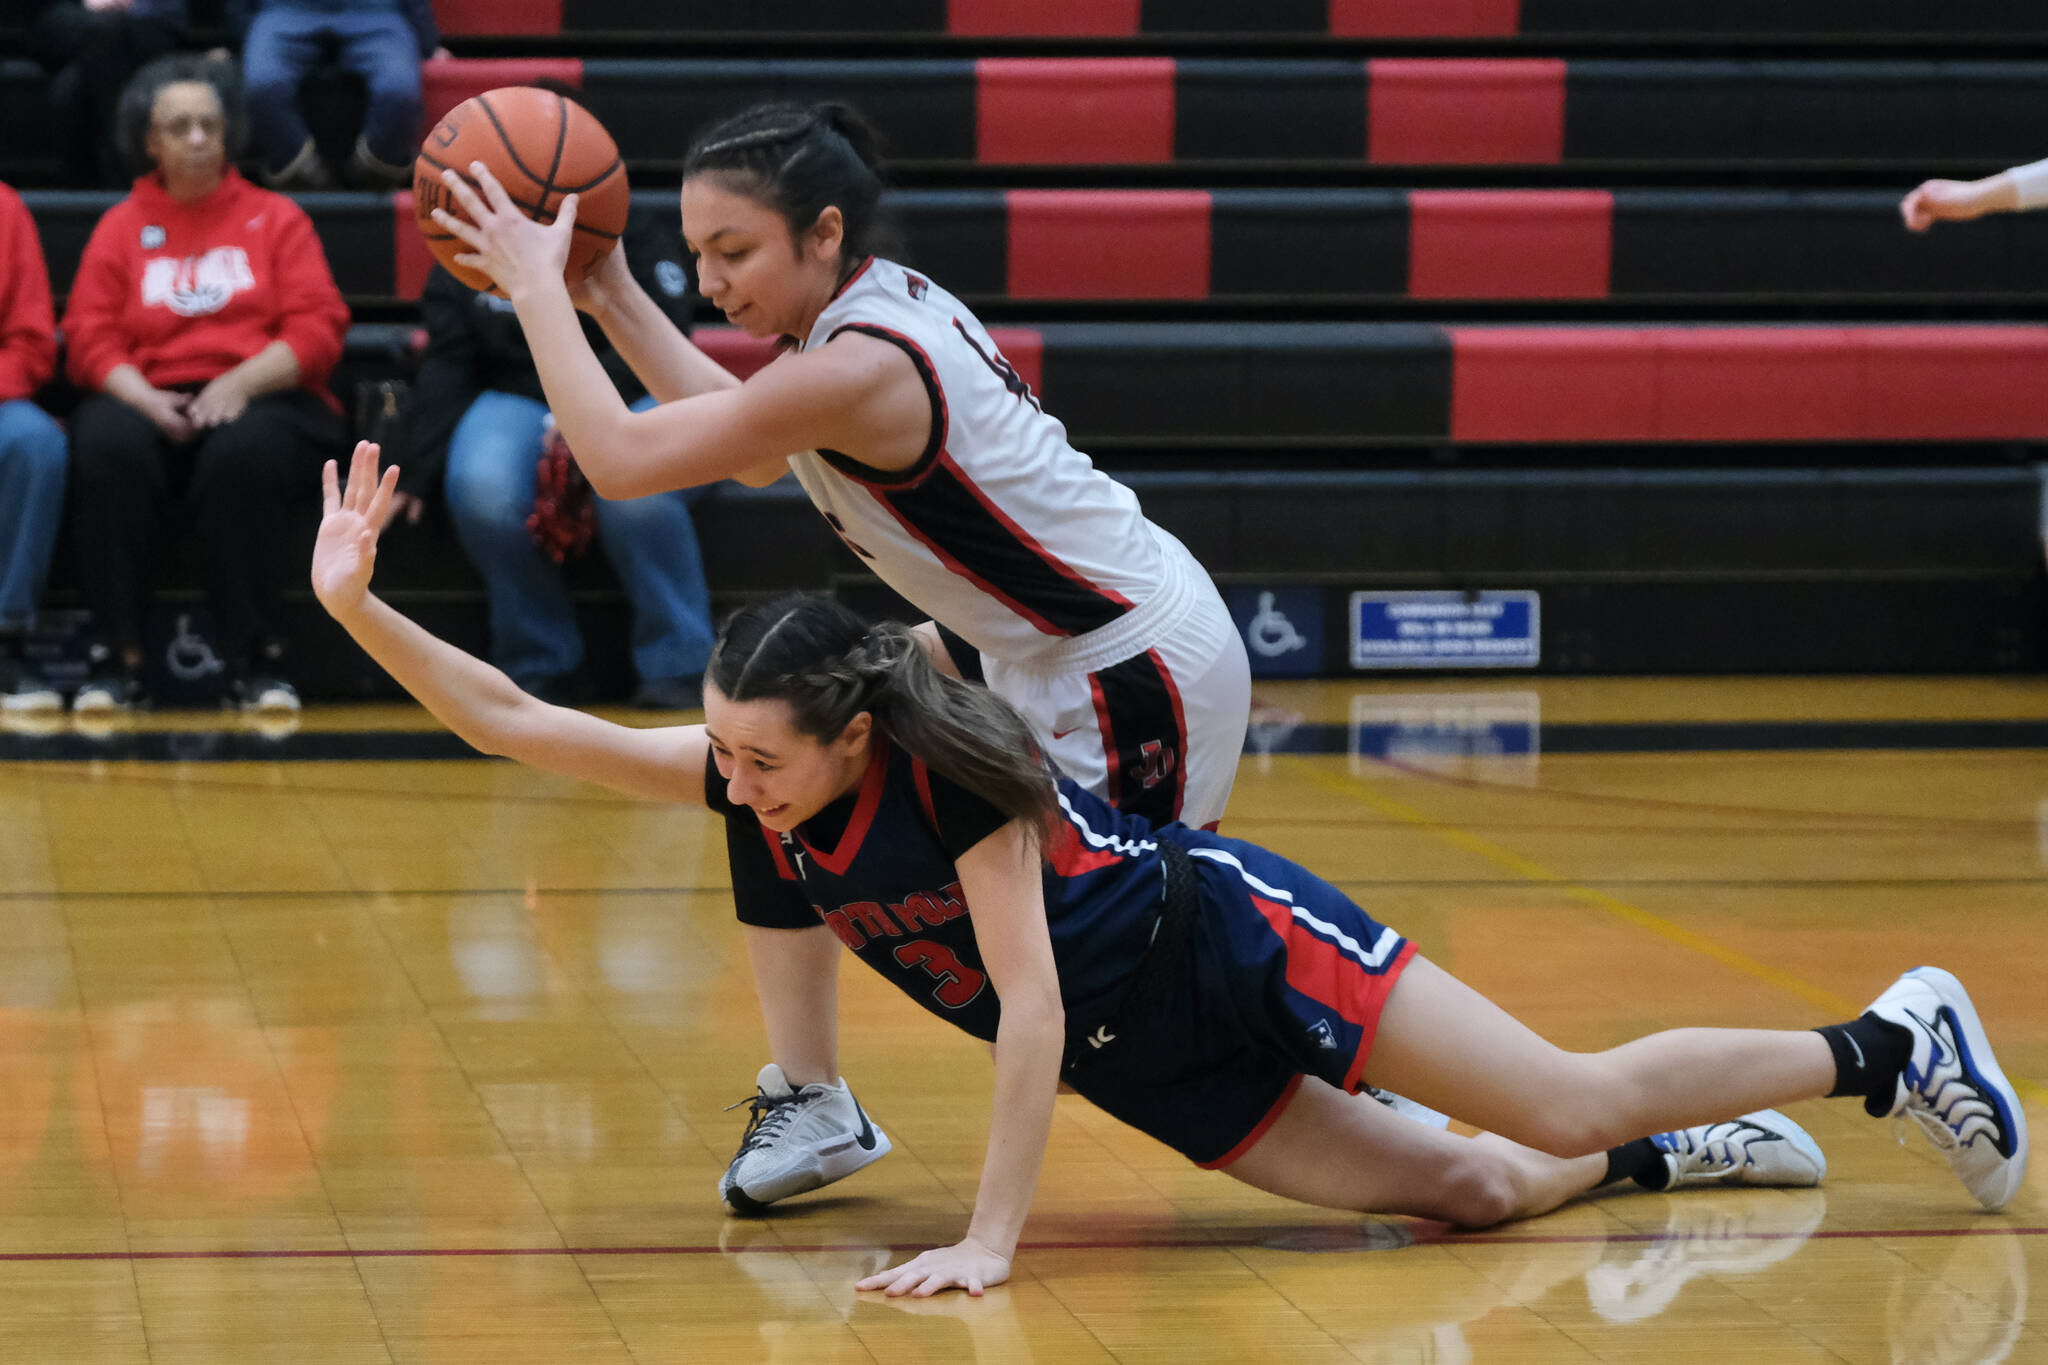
(91, 48)
(31, 450)
(382, 41)
(477, 403)
(205, 319)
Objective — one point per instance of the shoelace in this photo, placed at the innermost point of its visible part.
(769, 1115)
(1724, 1145)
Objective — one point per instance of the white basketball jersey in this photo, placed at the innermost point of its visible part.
(1001, 530)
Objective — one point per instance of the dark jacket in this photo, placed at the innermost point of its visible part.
(474, 343)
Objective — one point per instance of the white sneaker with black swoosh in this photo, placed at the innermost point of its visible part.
(1952, 1087)
(798, 1140)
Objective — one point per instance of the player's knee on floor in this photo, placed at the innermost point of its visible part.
(1478, 1189)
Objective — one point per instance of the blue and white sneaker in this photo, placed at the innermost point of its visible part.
(1764, 1148)
(1952, 1087)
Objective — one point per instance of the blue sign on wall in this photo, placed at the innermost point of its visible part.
(1282, 629)
(1446, 630)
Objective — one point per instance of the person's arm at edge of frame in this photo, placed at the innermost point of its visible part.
(1958, 201)
(475, 700)
(1005, 895)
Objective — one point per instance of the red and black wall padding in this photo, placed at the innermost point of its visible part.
(1294, 18)
(1281, 245)
(1386, 111)
(1262, 384)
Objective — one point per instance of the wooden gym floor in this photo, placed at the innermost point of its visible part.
(307, 1057)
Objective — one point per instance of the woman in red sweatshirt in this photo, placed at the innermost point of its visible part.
(205, 319)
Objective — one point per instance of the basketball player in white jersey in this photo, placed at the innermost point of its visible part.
(935, 463)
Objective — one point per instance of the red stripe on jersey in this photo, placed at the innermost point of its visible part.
(775, 851)
(1036, 19)
(1180, 732)
(942, 415)
(847, 283)
(1250, 1140)
(1108, 244)
(1510, 244)
(1071, 857)
(1435, 111)
(944, 557)
(1425, 18)
(1072, 111)
(839, 859)
(1334, 978)
(1024, 538)
(1112, 787)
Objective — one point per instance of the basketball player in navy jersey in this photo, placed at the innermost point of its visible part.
(1207, 992)
(933, 460)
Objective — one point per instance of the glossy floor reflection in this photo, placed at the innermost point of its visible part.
(427, 1059)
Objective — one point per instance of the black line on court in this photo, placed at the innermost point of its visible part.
(1626, 737)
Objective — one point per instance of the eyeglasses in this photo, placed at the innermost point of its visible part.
(182, 125)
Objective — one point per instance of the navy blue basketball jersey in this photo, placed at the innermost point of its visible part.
(877, 867)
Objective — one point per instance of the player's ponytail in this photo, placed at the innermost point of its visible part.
(830, 666)
(800, 161)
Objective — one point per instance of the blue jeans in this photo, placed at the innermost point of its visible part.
(284, 44)
(493, 469)
(32, 460)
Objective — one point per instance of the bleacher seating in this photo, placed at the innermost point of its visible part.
(1439, 19)
(1590, 115)
(1609, 299)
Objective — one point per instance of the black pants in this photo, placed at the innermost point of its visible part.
(90, 54)
(248, 487)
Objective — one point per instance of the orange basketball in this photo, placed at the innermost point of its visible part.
(542, 148)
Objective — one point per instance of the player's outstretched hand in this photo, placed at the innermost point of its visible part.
(345, 552)
(514, 250)
(968, 1265)
(1940, 201)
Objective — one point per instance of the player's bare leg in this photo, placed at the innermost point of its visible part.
(805, 1129)
(1448, 1046)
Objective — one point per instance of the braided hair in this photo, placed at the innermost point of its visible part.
(799, 162)
(829, 666)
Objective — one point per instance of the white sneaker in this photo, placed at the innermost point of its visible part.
(798, 1140)
(1764, 1148)
(1406, 1108)
(1952, 1087)
(1736, 1234)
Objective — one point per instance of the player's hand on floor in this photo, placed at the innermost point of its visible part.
(966, 1265)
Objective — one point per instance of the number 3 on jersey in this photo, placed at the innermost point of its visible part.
(958, 982)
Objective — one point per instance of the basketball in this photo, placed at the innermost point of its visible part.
(542, 148)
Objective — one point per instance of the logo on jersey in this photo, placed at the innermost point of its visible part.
(859, 923)
(197, 285)
(1155, 763)
(917, 286)
(1325, 1036)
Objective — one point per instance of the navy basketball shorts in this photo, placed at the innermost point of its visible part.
(1285, 978)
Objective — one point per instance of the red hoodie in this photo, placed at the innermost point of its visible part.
(28, 333)
(184, 292)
